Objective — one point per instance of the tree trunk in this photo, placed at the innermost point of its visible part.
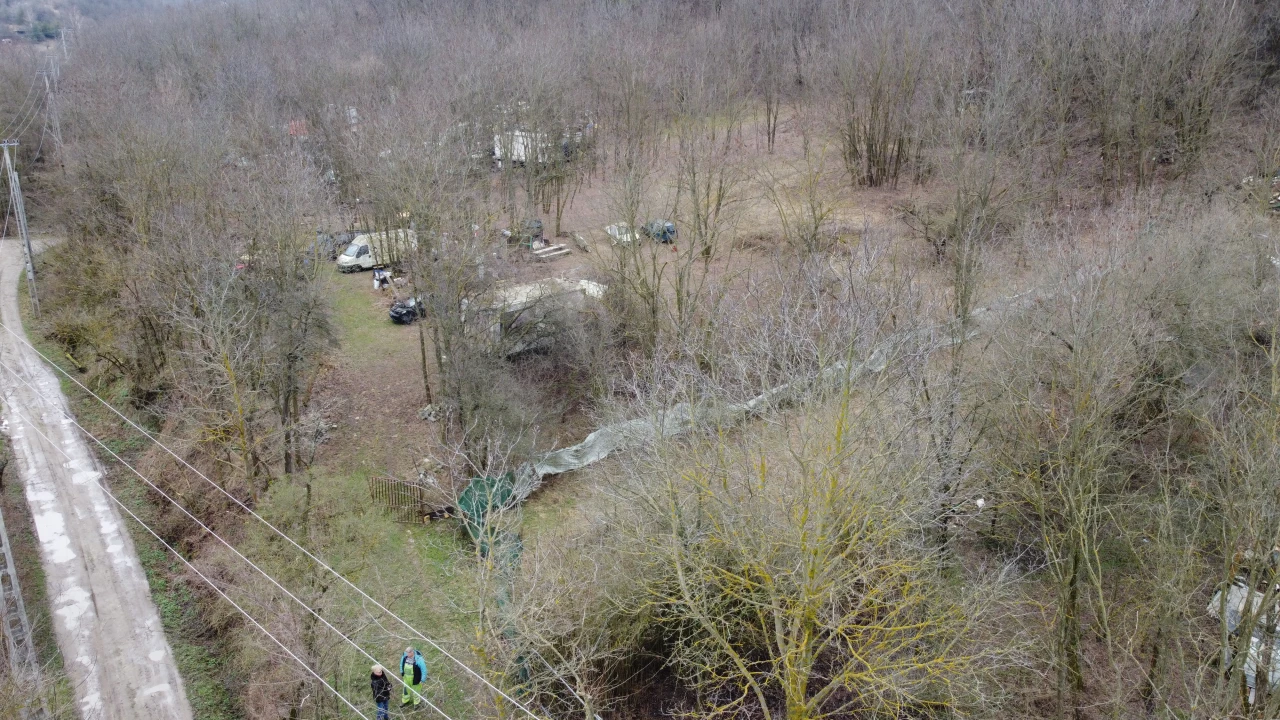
(1070, 678)
(422, 346)
(288, 410)
(772, 106)
(1153, 667)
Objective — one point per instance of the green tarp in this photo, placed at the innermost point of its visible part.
(480, 497)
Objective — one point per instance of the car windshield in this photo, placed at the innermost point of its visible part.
(351, 250)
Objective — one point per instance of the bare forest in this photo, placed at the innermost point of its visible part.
(952, 390)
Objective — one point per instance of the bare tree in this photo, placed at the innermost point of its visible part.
(878, 84)
(787, 597)
(803, 207)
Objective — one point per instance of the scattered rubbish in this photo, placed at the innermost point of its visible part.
(530, 234)
(430, 413)
(621, 234)
(550, 252)
(328, 245)
(660, 231)
(1241, 604)
(407, 501)
(1253, 183)
(482, 496)
(684, 417)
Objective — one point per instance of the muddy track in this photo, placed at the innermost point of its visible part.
(112, 642)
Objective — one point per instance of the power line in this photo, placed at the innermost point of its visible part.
(24, 117)
(40, 145)
(29, 116)
(177, 554)
(24, 120)
(35, 109)
(44, 126)
(22, 108)
(21, 113)
(277, 531)
(565, 683)
(222, 540)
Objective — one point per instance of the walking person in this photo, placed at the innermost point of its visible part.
(413, 670)
(381, 687)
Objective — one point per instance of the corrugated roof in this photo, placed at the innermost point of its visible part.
(518, 297)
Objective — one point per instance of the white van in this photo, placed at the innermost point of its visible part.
(521, 147)
(370, 250)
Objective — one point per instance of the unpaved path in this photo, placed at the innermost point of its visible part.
(112, 643)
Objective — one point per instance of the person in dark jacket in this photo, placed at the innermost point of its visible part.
(381, 687)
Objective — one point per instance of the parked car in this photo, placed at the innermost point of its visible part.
(662, 231)
(405, 312)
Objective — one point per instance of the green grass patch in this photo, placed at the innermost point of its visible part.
(419, 572)
(361, 323)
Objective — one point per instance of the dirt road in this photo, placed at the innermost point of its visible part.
(112, 643)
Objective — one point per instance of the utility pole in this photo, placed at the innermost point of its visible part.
(20, 212)
(51, 110)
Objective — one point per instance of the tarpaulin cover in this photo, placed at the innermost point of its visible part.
(682, 418)
(486, 494)
(482, 495)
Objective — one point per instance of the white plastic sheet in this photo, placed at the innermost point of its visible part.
(681, 418)
(632, 433)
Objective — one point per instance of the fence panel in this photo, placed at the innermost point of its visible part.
(405, 500)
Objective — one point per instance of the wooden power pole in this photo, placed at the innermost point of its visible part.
(20, 213)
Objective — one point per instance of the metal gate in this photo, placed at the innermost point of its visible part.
(405, 500)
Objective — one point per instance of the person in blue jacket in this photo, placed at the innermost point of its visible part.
(413, 670)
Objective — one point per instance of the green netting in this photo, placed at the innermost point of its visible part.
(482, 496)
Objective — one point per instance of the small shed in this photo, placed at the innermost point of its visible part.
(524, 316)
